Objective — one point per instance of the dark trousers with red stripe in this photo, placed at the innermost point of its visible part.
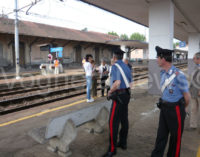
(119, 115)
(171, 122)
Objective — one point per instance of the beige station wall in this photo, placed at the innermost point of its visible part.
(136, 54)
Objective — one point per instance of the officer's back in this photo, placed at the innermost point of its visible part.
(116, 74)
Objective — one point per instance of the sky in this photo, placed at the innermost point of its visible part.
(73, 14)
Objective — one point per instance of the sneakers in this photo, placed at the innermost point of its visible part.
(90, 100)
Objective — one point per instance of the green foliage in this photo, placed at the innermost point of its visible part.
(124, 37)
(175, 44)
(138, 36)
(85, 29)
(113, 33)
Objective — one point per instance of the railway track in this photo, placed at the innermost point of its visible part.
(27, 96)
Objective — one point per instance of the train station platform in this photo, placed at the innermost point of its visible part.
(36, 74)
(30, 76)
(143, 123)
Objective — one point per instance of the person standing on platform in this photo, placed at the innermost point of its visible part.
(83, 61)
(103, 70)
(109, 79)
(126, 61)
(120, 95)
(56, 65)
(174, 98)
(195, 93)
(88, 72)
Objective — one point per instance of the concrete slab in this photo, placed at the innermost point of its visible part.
(55, 126)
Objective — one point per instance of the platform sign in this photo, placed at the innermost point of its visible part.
(56, 49)
(182, 44)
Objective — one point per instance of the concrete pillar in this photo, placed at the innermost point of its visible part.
(193, 47)
(123, 48)
(161, 32)
(145, 54)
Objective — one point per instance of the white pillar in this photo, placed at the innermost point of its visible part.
(145, 54)
(161, 32)
(123, 48)
(193, 47)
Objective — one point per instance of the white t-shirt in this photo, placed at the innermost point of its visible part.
(88, 68)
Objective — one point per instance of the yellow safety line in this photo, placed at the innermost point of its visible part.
(41, 113)
(50, 110)
(141, 83)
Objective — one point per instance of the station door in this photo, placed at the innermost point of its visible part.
(21, 54)
(78, 54)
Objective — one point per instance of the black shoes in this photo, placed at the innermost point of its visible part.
(124, 147)
(109, 154)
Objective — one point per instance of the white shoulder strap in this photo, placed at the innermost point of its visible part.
(123, 75)
(167, 82)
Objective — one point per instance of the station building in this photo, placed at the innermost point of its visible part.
(36, 39)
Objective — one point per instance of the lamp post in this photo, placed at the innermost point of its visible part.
(16, 42)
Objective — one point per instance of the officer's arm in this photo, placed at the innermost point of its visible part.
(183, 85)
(115, 86)
(187, 98)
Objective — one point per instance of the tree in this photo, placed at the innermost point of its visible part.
(113, 33)
(124, 37)
(85, 29)
(138, 36)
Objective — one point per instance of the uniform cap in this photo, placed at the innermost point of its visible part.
(118, 51)
(163, 52)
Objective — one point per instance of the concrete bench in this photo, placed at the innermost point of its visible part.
(50, 68)
(61, 131)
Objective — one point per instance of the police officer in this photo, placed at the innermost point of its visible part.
(174, 99)
(120, 95)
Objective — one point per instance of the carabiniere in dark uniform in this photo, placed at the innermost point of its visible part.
(174, 99)
(120, 95)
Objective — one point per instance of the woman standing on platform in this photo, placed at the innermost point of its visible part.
(88, 72)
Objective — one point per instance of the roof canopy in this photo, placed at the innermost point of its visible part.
(48, 31)
(186, 13)
(130, 43)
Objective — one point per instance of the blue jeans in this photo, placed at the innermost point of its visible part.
(88, 83)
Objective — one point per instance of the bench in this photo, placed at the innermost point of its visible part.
(61, 131)
(49, 68)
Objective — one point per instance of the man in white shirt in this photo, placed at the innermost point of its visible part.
(103, 70)
(88, 73)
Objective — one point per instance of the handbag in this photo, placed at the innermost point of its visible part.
(107, 82)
